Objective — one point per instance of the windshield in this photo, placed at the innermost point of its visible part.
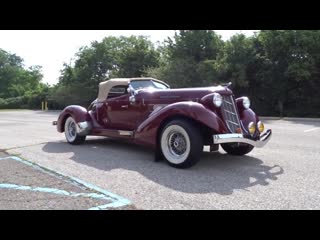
(148, 84)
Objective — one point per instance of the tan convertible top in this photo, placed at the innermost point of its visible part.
(104, 87)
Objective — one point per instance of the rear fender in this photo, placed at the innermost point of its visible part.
(147, 132)
(78, 113)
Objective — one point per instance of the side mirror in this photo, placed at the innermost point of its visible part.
(132, 99)
(132, 91)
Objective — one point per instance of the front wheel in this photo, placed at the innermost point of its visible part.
(238, 149)
(70, 131)
(181, 144)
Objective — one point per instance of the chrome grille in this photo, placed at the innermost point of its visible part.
(229, 113)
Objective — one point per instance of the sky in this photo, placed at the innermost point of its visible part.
(51, 48)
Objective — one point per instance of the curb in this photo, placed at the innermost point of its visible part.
(291, 119)
(302, 119)
(269, 118)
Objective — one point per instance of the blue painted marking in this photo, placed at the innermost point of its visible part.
(14, 186)
(50, 190)
(109, 205)
(122, 201)
(116, 200)
(53, 190)
(92, 195)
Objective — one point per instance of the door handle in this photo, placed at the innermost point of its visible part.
(124, 106)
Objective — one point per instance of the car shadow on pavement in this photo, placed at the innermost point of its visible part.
(215, 172)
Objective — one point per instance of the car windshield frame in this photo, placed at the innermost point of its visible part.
(144, 84)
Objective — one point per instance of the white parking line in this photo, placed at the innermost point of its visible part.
(310, 130)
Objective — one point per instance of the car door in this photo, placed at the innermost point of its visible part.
(121, 114)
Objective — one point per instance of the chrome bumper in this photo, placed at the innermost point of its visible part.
(84, 128)
(238, 138)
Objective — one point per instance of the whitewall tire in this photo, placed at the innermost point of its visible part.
(71, 132)
(181, 143)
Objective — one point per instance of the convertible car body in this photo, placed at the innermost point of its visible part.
(177, 123)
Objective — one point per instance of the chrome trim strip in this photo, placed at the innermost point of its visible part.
(227, 102)
(236, 112)
(230, 112)
(125, 133)
(232, 122)
(238, 138)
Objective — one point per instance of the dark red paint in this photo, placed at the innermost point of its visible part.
(145, 122)
(80, 114)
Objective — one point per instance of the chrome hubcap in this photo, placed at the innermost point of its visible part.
(177, 143)
(71, 130)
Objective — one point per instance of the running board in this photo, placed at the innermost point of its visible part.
(112, 133)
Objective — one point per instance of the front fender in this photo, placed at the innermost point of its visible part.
(247, 116)
(146, 133)
(79, 114)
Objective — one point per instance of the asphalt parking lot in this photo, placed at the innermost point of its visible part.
(285, 174)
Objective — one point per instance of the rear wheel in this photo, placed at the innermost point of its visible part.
(70, 131)
(181, 144)
(237, 148)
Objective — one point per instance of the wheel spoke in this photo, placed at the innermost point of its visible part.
(177, 143)
(71, 131)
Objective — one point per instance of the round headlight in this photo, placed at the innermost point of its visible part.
(246, 102)
(260, 126)
(251, 128)
(217, 99)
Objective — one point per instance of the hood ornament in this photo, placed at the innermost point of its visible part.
(227, 84)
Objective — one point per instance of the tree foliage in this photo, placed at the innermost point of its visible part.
(190, 59)
(110, 58)
(20, 87)
(278, 69)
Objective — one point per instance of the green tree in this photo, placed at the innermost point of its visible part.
(10, 69)
(291, 58)
(189, 59)
(277, 69)
(112, 57)
(20, 87)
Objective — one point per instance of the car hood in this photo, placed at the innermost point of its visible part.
(181, 94)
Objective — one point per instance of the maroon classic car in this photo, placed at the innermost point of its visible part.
(176, 123)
